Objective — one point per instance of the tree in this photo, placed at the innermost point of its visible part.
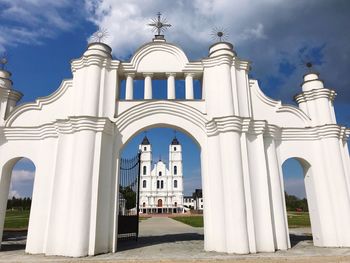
(129, 195)
(293, 202)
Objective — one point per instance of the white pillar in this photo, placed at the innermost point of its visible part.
(129, 89)
(171, 85)
(148, 86)
(214, 222)
(235, 223)
(189, 86)
(260, 192)
(278, 207)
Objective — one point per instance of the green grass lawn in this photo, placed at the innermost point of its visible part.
(298, 219)
(195, 221)
(295, 219)
(16, 219)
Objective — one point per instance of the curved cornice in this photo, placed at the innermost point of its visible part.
(161, 107)
(10, 93)
(217, 61)
(39, 103)
(277, 104)
(148, 48)
(241, 64)
(96, 60)
(315, 94)
(314, 133)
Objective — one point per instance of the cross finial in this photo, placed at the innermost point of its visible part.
(3, 61)
(159, 24)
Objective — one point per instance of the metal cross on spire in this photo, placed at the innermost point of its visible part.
(159, 24)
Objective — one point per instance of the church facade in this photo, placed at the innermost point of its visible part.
(161, 186)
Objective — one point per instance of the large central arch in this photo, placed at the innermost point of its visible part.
(165, 114)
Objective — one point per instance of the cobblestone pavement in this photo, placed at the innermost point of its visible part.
(165, 240)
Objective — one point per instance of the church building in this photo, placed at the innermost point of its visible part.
(161, 185)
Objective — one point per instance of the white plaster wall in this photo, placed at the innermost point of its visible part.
(265, 108)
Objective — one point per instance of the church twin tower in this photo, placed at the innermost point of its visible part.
(161, 188)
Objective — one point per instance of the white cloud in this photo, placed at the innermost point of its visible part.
(13, 193)
(32, 21)
(21, 183)
(253, 33)
(266, 32)
(22, 175)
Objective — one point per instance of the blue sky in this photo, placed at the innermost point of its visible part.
(42, 36)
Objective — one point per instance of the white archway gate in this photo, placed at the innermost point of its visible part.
(75, 136)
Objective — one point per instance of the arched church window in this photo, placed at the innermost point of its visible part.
(144, 170)
(144, 148)
(158, 184)
(160, 173)
(162, 184)
(144, 183)
(175, 170)
(175, 183)
(174, 149)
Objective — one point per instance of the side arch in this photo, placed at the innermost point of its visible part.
(5, 181)
(311, 194)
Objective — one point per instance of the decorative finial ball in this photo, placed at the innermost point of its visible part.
(219, 34)
(99, 36)
(3, 61)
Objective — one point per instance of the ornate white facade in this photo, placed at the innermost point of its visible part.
(75, 137)
(161, 189)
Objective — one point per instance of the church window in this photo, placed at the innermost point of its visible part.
(162, 184)
(175, 170)
(144, 148)
(174, 149)
(175, 183)
(144, 170)
(144, 183)
(175, 204)
(160, 173)
(158, 184)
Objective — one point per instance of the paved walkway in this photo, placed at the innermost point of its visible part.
(166, 240)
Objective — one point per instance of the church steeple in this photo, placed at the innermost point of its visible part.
(145, 141)
(175, 141)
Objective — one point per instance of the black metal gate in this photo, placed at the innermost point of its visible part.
(129, 190)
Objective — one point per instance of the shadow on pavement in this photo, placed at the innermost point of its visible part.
(14, 240)
(154, 240)
(295, 239)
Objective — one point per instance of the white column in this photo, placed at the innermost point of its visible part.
(189, 86)
(260, 193)
(235, 223)
(148, 86)
(171, 85)
(278, 208)
(129, 90)
(214, 222)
